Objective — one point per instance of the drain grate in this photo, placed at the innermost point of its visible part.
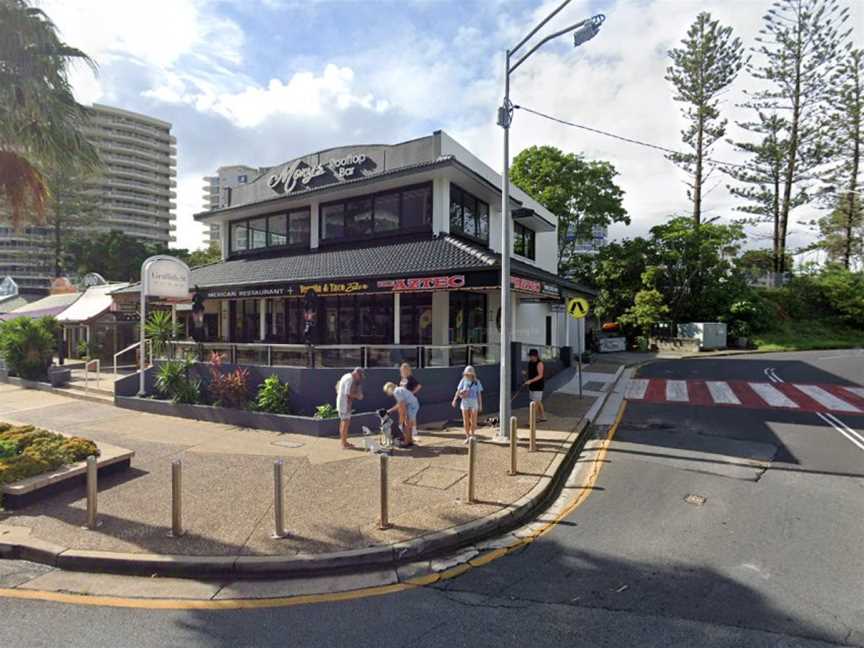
(695, 500)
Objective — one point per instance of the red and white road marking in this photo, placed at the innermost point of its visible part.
(739, 393)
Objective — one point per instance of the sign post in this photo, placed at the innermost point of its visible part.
(578, 308)
(161, 276)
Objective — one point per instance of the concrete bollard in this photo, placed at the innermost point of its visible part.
(384, 519)
(92, 492)
(176, 499)
(532, 427)
(472, 469)
(514, 443)
(279, 500)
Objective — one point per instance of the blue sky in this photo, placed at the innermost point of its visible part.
(261, 81)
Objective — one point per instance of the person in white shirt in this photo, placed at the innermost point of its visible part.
(408, 407)
(348, 389)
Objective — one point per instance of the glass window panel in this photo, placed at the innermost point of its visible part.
(347, 313)
(331, 319)
(417, 207)
(482, 220)
(277, 230)
(358, 217)
(387, 212)
(239, 242)
(299, 227)
(455, 209)
(530, 243)
(333, 220)
(257, 233)
(468, 209)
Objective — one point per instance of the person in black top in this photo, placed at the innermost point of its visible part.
(409, 382)
(536, 382)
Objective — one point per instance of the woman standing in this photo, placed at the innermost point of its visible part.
(471, 392)
(409, 382)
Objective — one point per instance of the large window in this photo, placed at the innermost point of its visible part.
(467, 318)
(377, 214)
(415, 318)
(291, 229)
(469, 216)
(523, 241)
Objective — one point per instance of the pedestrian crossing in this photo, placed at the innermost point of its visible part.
(739, 393)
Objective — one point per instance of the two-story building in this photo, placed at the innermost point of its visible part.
(381, 245)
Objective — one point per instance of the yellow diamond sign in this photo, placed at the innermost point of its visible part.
(577, 307)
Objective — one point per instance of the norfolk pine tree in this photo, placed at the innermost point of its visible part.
(703, 67)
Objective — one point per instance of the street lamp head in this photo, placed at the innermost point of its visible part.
(588, 31)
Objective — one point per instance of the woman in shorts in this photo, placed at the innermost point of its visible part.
(470, 391)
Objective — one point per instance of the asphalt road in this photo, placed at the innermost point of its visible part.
(773, 555)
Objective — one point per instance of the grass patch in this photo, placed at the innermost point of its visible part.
(804, 335)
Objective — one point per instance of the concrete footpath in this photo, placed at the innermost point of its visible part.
(331, 495)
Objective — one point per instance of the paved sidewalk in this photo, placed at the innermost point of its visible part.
(331, 495)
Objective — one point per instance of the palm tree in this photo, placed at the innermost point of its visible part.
(40, 121)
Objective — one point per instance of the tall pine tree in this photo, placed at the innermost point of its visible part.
(799, 44)
(707, 62)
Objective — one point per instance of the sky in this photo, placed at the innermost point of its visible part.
(259, 82)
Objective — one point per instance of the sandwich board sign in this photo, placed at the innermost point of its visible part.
(161, 276)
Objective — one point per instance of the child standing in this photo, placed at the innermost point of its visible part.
(471, 392)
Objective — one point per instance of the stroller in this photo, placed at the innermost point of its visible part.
(389, 434)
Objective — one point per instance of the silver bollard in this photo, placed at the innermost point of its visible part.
(176, 499)
(472, 469)
(279, 500)
(532, 427)
(384, 520)
(514, 443)
(92, 492)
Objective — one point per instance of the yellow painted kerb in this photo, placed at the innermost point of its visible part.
(420, 581)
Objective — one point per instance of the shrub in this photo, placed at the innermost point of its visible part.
(326, 411)
(173, 381)
(274, 396)
(228, 389)
(30, 451)
(28, 345)
(8, 448)
(844, 291)
(161, 329)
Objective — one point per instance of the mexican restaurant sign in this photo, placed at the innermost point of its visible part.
(299, 175)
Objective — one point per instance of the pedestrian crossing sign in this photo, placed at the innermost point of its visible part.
(577, 307)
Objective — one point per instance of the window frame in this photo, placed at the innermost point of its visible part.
(527, 234)
(476, 211)
(324, 241)
(286, 214)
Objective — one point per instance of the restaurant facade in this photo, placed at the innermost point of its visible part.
(380, 245)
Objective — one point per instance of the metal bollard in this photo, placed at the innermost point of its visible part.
(384, 520)
(472, 468)
(176, 499)
(92, 492)
(532, 427)
(514, 443)
(279, 500)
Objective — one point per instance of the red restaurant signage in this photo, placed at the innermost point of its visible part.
(526, 284)
(423, 283)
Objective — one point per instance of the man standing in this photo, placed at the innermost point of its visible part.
(536, 382)
(348, 389)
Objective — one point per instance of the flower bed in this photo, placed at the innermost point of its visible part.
(27, 451)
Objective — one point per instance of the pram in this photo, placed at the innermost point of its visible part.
(389, 434)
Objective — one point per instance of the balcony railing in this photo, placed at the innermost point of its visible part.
(340, 355)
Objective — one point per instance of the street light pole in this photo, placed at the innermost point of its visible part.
(584, 31)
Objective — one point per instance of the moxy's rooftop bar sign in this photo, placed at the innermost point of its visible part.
(299, 175)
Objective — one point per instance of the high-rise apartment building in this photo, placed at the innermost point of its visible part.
(134, 191)
(217, 191)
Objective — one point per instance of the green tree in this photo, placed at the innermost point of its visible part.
(114, 255)
(40, 121)
(211, 254)
(703, 67)
(72, 209)
(647, 310)
(798, 46)
(581, 193)
(841, 234)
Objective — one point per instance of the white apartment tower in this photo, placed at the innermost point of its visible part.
(218, 188)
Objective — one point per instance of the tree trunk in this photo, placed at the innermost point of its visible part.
(697, 181)
(853, 181)
(793, 154)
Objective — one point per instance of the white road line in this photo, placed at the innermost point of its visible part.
(769, 375)
(842, 428)
(676, 390)
(636, 388)
(855, 391)
(721, 392)
(771, 395)
(827, 399)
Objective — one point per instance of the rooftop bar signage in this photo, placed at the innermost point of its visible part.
(299, 175)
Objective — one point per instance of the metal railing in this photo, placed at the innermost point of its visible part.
(338, 356)
(148, 341)
(87, 372)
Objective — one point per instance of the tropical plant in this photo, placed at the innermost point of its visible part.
(160, 328)
(32, 451)
(227, 388)
(702, 69)
(28, 345)
(83, 348)
(274, 396)
(173, 381)
(326, 411)
(40, 121)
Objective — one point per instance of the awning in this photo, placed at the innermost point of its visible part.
(93, 302)
(51, 305)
